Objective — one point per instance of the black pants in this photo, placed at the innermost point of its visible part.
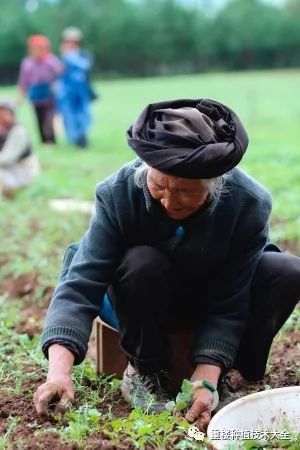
(45, 116)
(145, 297)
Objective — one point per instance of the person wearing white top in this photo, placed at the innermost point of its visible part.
(18, 165)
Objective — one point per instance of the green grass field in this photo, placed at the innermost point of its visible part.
(267, 102)
(34, 236)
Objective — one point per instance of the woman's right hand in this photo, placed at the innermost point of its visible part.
(57, 388)
(59, 385)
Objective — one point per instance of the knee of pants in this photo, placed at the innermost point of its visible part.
(283, 271)
(143, 263)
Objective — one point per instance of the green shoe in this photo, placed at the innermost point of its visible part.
(148, 392)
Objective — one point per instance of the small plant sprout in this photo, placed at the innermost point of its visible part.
(81, 422)
(183, 398)
(12, 423)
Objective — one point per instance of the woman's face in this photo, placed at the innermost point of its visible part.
(180, 197)
(37, 51)
(6, 120)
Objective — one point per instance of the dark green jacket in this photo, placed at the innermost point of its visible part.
(223, 242)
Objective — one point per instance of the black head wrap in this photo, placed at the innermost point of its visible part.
(189, 138)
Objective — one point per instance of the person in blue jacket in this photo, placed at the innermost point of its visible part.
(74, 93)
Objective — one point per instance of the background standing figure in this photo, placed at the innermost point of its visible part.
(38, 73)
(74, 93)
(18, 165)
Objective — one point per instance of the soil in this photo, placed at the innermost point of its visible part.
(284, 364)
(15, 287)
(31, 320)
(49, 441)
(285, 361)
(284, 371)
(291, 246)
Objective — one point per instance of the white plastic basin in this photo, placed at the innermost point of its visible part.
(272, 411)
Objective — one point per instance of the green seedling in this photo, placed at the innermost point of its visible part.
(4, 440)
(93, 389)
(140, 429)
(186, 444)
(183, 398)
(81, 422)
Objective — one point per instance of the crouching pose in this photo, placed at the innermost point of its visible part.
(179, 236)
(18, 165)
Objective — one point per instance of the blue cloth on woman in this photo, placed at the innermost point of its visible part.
(107, 314)
(40, 92)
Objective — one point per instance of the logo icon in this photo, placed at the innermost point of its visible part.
(194, 432)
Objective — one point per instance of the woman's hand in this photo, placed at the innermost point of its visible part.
(56, 388)
(59, 385)
(200, 411)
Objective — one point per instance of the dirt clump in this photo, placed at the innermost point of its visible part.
(17, 405)
(284, 370)
(285, 362)
(31, 317)
(45, 441)
(16, 287)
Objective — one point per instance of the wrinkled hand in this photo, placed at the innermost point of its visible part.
(60, 389)
(200, 411)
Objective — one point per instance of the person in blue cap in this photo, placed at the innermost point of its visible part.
(179, 237)
(73, 89)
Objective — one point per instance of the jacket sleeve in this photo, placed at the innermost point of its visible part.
(218, 338)
(77, 298)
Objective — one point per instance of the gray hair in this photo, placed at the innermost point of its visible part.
(215, 186)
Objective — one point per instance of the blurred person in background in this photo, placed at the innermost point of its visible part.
(74, 92)
(38, 73)
(18, 165)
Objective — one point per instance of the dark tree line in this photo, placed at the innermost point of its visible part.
(149, 37)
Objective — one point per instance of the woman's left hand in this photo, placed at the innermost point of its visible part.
(200, 411)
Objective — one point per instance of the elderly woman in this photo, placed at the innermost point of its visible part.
(178, 236)
(18, 165)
